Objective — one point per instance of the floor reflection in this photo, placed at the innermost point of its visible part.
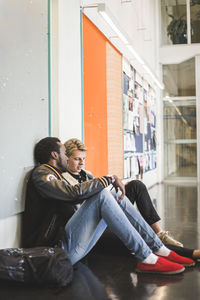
(123, 283)
(108, 272)
(85, 286)
(177, 205)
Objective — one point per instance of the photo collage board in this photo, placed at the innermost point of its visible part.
(139, 123)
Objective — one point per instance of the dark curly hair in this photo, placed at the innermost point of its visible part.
(44, 147)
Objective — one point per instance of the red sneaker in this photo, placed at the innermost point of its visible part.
(162, 266)
(185, 261)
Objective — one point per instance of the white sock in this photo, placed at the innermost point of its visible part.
(151, 259)
(164, 251)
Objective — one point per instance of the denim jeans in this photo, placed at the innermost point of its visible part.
(101, 210)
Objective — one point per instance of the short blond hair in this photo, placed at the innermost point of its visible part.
(72, 145)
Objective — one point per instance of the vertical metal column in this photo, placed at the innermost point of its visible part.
(188, 22)
(49, 64)
(197, 78)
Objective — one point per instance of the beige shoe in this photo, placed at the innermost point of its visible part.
(167, 239)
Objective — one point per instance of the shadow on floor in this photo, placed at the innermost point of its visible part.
(108, 272)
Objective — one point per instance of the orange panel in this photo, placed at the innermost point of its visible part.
(95, 98)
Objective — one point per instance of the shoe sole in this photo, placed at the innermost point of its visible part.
(185, 265)
(165, 273)
(191, 265)
(165, 243)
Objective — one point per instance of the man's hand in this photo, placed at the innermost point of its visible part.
(118, 185)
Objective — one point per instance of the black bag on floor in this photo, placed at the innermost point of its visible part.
(41, 265)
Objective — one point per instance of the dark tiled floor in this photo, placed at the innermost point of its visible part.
(108, 272)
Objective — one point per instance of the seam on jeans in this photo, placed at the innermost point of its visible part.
(83, 217)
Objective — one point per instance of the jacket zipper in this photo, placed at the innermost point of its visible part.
(50, 226)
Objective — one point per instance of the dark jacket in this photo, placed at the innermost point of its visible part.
(50, 202)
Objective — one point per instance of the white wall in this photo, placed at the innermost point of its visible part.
(66, 70)
(178, 53)
(139, 19)
(23, 103)
(10, 232)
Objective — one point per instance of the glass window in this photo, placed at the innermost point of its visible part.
(174, 22)
(180, 145)
(179, 79)
(195, 20)
(179, 120)
(180, 160)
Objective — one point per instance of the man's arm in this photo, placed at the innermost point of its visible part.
(118, 185)
(49, 186)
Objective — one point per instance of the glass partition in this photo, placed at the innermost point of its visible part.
(180, 138)
(180, 120)
(195, 20)
(179, 79)
(174, 22)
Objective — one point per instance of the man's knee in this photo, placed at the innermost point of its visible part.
(99, 198)
(136, 185)
(104, 194)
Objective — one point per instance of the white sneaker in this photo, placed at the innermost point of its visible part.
(167, 239)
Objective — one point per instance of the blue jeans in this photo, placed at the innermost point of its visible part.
(101, 210)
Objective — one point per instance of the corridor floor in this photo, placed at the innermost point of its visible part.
(108, 272)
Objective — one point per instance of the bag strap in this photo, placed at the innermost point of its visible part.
(39, 279)
(32, 268)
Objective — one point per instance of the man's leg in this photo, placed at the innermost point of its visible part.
(82, 228)
(137, 192)
(137, 221)
(86, 226)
